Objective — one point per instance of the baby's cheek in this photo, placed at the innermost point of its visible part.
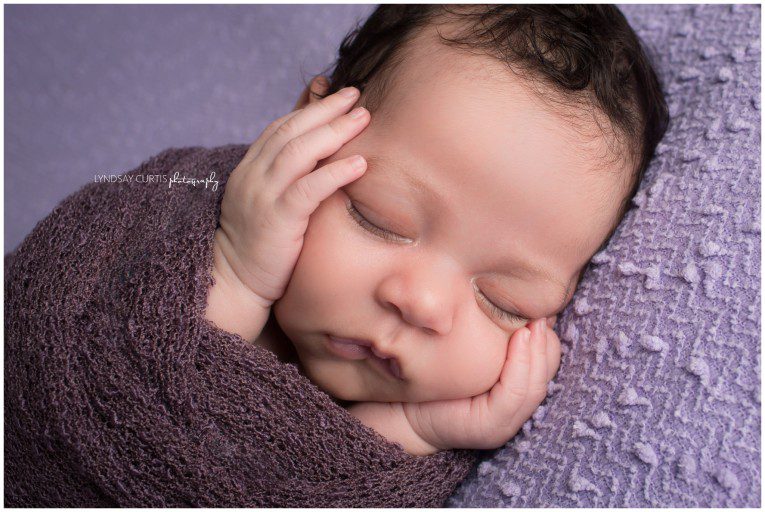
(479, 367)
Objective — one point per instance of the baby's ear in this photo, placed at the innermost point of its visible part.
(318, 85)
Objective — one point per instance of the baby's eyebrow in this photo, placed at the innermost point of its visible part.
(377, 161)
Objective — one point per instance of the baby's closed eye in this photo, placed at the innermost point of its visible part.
(504, 314)
(371, 227)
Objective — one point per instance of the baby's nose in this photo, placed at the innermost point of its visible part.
(421, 291)
(430, 317)
(428, 308)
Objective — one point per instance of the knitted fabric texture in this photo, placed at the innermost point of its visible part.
(118, 392)
(657, 400)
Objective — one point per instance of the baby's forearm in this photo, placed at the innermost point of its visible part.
(389, 420)
(230, 304)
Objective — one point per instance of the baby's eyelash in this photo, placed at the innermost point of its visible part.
(501, 312)
(382, 233)
(388, 235)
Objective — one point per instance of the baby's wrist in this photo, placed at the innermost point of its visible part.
(418, 443)
(230, 304)
(225, 263)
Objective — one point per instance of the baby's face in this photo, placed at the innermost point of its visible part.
(507, 211)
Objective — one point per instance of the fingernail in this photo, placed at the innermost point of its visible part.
(357, 162)
(526, 336)
(357, 112)
(349, 92)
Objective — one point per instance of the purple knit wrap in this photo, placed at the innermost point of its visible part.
(118, 392)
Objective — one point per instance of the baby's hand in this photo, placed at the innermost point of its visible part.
(274, 189)
(490, 420)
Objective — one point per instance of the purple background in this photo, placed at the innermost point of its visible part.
(99, 89)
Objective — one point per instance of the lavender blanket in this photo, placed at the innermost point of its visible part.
(118, 392)
(657, 400)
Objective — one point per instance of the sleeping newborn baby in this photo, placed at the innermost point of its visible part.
(409, 242)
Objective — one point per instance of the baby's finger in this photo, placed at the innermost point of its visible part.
(537, 386)
(508, 395)
(515, 418)
(301, 155)
(312, 116)
(553, 354)
(301, 199)
(538, 371)
(256, 146)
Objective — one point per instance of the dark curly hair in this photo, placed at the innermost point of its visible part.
(588, 54)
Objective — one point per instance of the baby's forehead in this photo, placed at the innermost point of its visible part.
(429, 68)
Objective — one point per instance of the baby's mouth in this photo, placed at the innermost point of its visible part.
(361, 349)
(389, 364)
(348, 349)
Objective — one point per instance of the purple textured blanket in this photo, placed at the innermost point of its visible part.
(118, 392)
